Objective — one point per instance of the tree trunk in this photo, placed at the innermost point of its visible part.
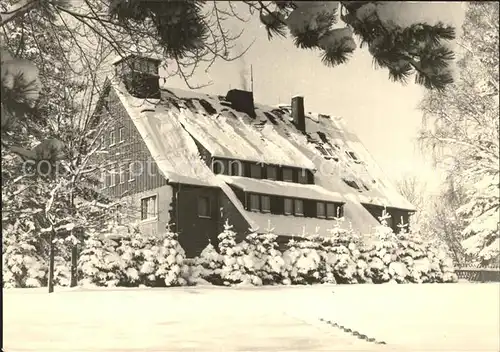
(74, 248)
(74, 261)
(51, 263)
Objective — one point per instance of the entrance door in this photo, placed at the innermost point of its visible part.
(197, 218)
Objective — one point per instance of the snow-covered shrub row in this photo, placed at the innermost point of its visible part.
(132, 260)
(342, 257)
(255, 261)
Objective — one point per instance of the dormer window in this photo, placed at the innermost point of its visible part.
(217, 167)
(254, 202)
(330, 211)
(353, 156)
(235, 167)
(302, 176)
(255, 171)
(265, 204)
(287, 174)
(288, 206)
(298, 207)
(272, 172)
(326, 150)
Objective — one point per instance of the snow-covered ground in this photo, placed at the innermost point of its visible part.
(452, 317)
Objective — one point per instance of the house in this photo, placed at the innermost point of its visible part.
(193, 161)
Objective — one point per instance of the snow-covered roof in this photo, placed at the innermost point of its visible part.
(171, 125)
(281, 188)
(227, 133)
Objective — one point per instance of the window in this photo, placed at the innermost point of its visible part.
(254, 202)
(130, 172)
(235, 166)
(330, 211)
(121, 134)
(298, 207)
(102, 179)
(327, 151)
(265, 204)
(151, 67)
(107, 181)
(148, 208)
(288, 206)
(122, 176)
(204, 207)
(112, 139)
(255, 171)
(320, 210)
(302, 176)
(351, 155)
(339, 209)
(352, 184)
(287, 175)
(322, 151)
(217, 167)
(272, 173)
(113, 178)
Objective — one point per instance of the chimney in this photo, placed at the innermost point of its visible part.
(298, 115)
(140, 75)
(242, 101)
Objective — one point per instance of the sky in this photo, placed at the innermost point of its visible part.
(382, 113)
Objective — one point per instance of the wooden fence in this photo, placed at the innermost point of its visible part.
(479, 274)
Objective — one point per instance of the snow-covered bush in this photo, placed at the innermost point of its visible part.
(99, 264)
(206, 267)
(231, 257)
(25, 258)
(381, 251)
(255, 261)
(262, 251)
(133, 260)
(302, 261)
(22, 265)
(340, 253)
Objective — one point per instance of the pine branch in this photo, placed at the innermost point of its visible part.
(400, 72)
(274, 24)
(336, 55)
(310, 36)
